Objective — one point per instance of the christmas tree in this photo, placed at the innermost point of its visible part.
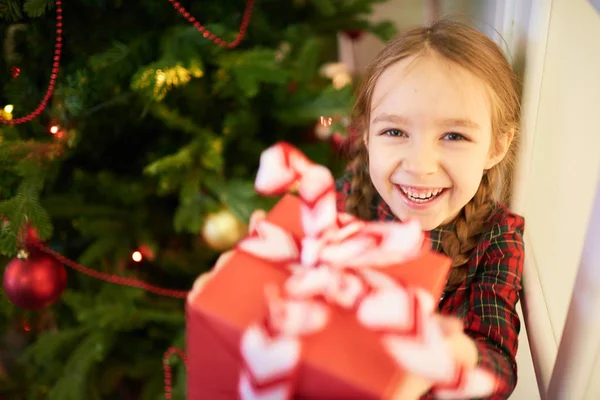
(139, 163)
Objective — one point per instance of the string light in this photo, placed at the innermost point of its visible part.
(326, 121)
(6, 113)
(54, 129)
(146, 252)
(136, 256)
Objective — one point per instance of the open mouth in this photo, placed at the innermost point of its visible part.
(421, 195)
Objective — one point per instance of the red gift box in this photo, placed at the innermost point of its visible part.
(343, 361)
(315, 304)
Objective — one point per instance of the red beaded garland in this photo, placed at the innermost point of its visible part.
(15, 71)
(167, 369)
(118, 280)
(211, 36)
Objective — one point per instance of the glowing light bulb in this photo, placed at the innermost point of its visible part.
(326, 121)
(54, 129)
(136, 256)
(9, 108)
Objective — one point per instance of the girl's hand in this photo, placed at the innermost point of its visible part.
(256, 217)
(462, 346)
(463, 350)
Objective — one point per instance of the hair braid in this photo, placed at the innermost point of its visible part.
(470, 223)
(361, 194)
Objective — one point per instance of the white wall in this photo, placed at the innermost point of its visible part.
(557, 187)
(576, 370)
(560, 159)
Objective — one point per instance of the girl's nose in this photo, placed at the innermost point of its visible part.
(421, 159)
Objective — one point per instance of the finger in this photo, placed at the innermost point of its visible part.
(201, 281)
(222, 260)
(255, 218)
(450, 325)
(413, 387)
(463, 349)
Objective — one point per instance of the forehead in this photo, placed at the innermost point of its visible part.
(431, 86)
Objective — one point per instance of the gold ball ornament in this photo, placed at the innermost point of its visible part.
(323, 132)
(222, 230)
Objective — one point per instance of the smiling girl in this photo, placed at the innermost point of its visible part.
(437, 116)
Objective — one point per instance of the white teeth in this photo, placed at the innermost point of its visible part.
(421, 196)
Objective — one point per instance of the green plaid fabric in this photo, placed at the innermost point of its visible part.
(487, 300)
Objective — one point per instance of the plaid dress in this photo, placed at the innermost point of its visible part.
(487, 300)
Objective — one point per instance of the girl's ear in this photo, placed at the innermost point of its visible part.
(499, 149)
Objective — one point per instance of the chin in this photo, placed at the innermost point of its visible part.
(426, 223)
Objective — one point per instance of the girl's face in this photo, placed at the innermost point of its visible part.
(429, 138)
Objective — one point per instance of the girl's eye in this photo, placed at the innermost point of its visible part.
(453, 136)
(394, 132)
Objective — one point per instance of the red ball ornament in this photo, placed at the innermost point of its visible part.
(15, 71)
(30, 238)
(34, 282)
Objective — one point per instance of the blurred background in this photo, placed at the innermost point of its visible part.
(141, 164)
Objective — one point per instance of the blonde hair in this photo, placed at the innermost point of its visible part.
(478, 54)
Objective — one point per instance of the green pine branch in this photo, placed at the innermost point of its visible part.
(21, 211)
(308, 60)
(240, 197)
(73, 380)
(186, 172)
(183, 42)
(326, 8)
(115, 54)
(75, 354)
(252, 68)
(110, 228)
(14, 10)
(311, 106)
(11, 10)
(173, 119)
(37, 8)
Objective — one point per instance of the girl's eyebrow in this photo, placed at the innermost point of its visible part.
(466, 123)
(400, 119)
